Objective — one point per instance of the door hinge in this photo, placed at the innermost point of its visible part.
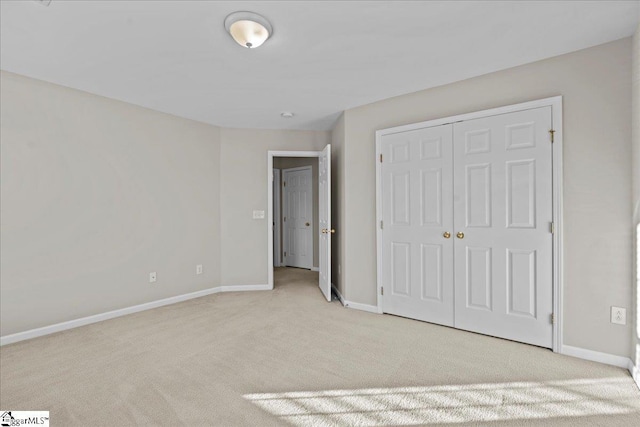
(382, 290)
(285, 254)
(284, 219)
(381, 225)
(552, 228)
(380, 158)
(553, 318)
(552, 132)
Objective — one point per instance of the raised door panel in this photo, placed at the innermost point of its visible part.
(521, 193)
(431, 197)
(400, 198)
(478, 195)
(431, 272)
(521, 282)
(401, 268)
(479, 278)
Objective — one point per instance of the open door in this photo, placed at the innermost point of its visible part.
(324, 218)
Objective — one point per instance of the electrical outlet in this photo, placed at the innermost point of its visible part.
(619, 315)
(152, 277)
(199, 269)
(258, 214)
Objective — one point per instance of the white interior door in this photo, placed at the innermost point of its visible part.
(503, 215)
(277, 250)
(297, 217)
(417, 248)
(324, 218)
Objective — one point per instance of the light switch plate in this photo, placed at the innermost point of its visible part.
(258, 214)
(199, 269)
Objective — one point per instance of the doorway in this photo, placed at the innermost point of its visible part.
(302, 227)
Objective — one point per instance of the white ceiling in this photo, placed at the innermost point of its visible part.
(323, 58)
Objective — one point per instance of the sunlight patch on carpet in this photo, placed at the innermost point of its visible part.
(453, 404)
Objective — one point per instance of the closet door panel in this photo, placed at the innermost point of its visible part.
(417, 210)
(503, 212)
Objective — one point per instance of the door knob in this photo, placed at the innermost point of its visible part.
(324, 231)
(333, 231)
(446, 235)
(460, 235)
(307, 224)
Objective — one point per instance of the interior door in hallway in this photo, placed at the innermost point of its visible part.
(417, 207)
(503, 215)
(324, 218)
(297, 217)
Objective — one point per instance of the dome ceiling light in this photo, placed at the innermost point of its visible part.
(248, 29)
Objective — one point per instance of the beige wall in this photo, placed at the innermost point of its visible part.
(596, 86)
(635, 317)
(243, 190)
(337, 204)
(96, 194)
(297, 162)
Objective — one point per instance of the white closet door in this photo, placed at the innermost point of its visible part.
(417, 212)
(503, 206)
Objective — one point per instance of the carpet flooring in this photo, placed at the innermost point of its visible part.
(288, 357)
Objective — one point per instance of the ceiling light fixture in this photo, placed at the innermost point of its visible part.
(287, 115)
(248, 29)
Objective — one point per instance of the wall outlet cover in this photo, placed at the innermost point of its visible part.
(619, 315)
(152, 277)
(258, 214)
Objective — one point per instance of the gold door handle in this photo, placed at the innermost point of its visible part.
(332, 231)
(460, 235)
(327, 231)
(307, 224)
(446, 235)
(324, 231)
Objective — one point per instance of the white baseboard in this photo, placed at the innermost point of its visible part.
(596, 356)
(76, 323)
(315, 269)
(635, 372)
(243, 288)
(362, 307)
(354, 305)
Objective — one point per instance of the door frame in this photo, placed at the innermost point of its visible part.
(277, 244)
(270, 156)
(556, 158)
(284, 229)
